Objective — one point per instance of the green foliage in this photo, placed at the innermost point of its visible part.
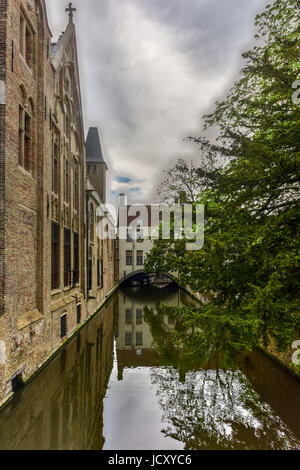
(248, 268)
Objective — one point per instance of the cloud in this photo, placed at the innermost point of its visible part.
(122, 179)
(135, 189)
(149, 70)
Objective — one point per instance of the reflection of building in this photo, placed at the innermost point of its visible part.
(63, 407)
(44, 287)
(135, 344)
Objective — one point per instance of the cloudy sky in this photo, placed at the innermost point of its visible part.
(149, 70)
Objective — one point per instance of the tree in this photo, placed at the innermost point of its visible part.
(248, 268)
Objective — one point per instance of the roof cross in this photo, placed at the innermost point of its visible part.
(70, 10)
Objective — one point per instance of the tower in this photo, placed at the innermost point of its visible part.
(96, 166)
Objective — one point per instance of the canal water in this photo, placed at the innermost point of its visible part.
(125, 383)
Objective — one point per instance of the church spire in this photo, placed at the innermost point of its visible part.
(70, 10)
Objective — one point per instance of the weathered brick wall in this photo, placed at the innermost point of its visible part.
(30, 311)
(25, 336)
(3, 22)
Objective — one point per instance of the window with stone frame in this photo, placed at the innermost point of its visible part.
(55, 280)
(128, 316)
(92, 223)
(25, 139)
(76, 185)
(75, 259)
(67, 257)
(55, 161)
(98, 272)
(139, 258)
(129, 258)
(128, 338)
(67, 180)
(26, 41)
(139, 338)
(139, 316)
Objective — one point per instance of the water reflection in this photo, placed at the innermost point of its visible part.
(129, 382)
(165, 395)
(62, 408)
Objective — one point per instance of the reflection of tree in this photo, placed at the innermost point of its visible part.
(211, 344)
(217, 410)
(210, 409)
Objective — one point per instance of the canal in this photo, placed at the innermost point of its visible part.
(124, 382)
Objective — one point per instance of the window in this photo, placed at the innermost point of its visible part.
(94, 168)
(139, 316)
(25, 140)
(55, 163)
(22, 35)
(76, 186)
(63, 326)
(67, 257)
(67, 181)
(90, 270)
(78, 310)
(100, 273)
(128, 338)
(88, 168)
(128, 316)
(75, 259)
(55, 282)
(129, 258)
(48, 48)
(140, 258)
(67, 126)
(26, 41)
(92, 223)
(139, 338)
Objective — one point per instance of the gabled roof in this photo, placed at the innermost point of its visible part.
(94, 152)
(58, 60)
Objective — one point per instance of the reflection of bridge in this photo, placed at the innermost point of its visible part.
(139, 278)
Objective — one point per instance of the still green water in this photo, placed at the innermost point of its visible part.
(123, 383)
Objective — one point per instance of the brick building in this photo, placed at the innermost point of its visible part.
(44, 217)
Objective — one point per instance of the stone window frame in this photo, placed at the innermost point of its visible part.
(27, 40)
(26, 145)
(129, 257)
(67, 180)
(55, 258)
(76, 260)
(139, 340)
(140, 258)
(56, 158)
(91, 224)
(76, 183)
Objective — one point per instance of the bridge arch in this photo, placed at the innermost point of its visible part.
(141, 275)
